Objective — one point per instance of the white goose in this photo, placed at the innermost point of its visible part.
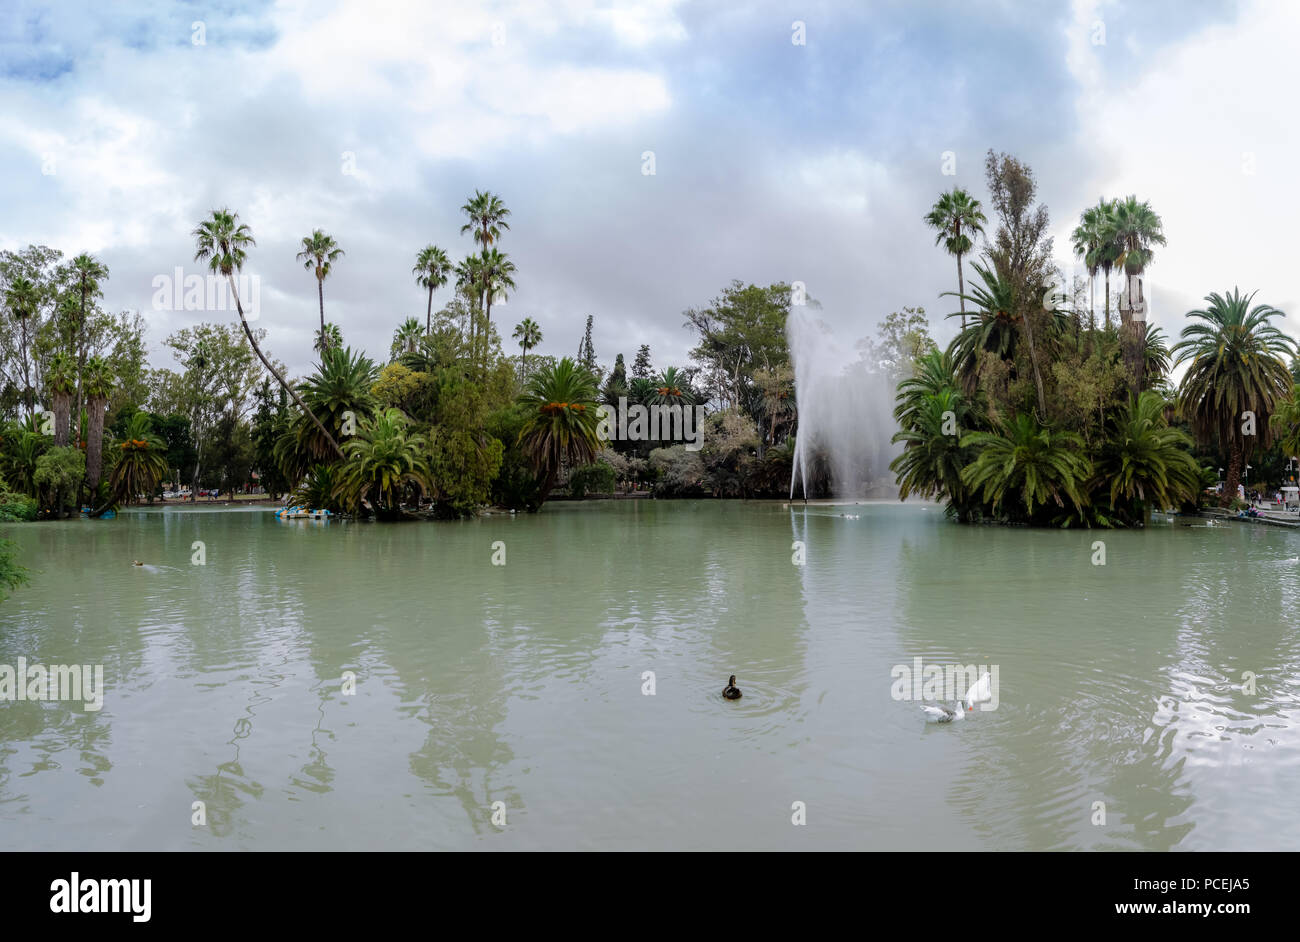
(980, 691)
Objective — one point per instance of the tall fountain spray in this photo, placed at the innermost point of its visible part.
(845, 411)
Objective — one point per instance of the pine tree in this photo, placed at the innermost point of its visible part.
(641, 368)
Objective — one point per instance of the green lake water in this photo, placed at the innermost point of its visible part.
(523, 683)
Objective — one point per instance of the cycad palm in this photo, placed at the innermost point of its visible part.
(223, 241)
(1147, 461)
(141, 460)
(381, 460)
(562, 422)
(1027, 465)
(957, 217)
(1238, 366)
(320, 252)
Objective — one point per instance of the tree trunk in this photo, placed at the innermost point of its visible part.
(961, 292)
(1236, 458)
(1033, 360)
(1108, 300)
(95, 443)
(62, 414)
(239, 307)
(428, 314)
(320, 293)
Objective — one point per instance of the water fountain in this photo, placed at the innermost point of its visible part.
(845, 412)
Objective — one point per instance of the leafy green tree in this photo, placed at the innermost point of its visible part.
(12, 575)
(1237, 365)
(956, 217)
(58, 472)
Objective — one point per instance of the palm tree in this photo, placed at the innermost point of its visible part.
(141, 461)
(341, 384)
(993, 331)
(529, 335)
(561, 426)
(23, 300)
(1137, 231)
(957, 217)
(672, 388)
(1238, 365)
(382, 460)
(1146, 461)
(407, 337)
(1088, 241)
(496, 270)
(320, 251)
(431, 271)
(1028, 463)
(97, 381)
(89, 271)
(223, 241)
(62, 379)
(487, 215)
(330, 339)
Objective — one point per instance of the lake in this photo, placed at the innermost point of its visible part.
(520, 691)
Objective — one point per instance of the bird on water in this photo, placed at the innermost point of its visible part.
(731, 691)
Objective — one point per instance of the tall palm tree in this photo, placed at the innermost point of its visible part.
(1087, 242)
(320, 252)
(431, 271)
(957, 217)
(223, 241)
(497, 272)
(1108, 248)
(529, 335)
(98, 385)
(1238, 365)
(89, 272)
(1137, 231)
(561, 426)
(407, 337)
(23, 300)
(487, 218)
(62, 379)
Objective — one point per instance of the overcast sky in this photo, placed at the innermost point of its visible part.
(773, 161)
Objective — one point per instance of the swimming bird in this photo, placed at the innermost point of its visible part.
(979, 692)
(731, 691)
(941, 714)
(136, 562)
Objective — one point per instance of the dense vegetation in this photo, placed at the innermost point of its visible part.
(1040, 412)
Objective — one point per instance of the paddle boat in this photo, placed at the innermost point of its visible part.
(302, 513)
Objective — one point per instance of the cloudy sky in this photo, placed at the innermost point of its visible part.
(120, 130)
